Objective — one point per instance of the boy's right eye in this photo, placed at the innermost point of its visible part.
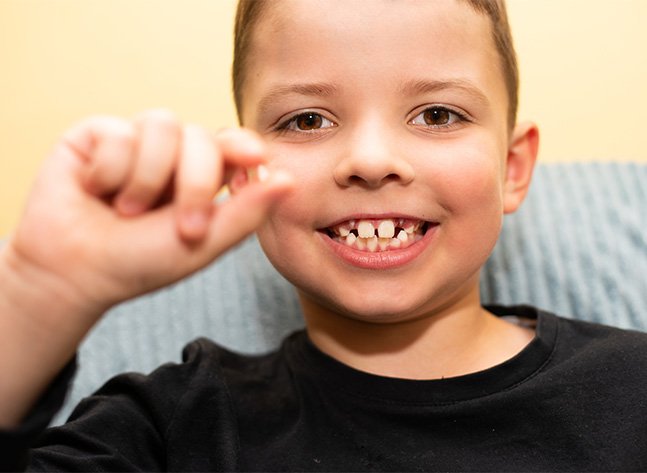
(305, 122)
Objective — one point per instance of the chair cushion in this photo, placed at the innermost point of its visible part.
(577, 247)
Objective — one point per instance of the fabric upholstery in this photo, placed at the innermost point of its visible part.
(577, 247)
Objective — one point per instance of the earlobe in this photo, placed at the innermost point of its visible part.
(522, 155)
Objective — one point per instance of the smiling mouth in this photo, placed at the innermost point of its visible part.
(376, 235)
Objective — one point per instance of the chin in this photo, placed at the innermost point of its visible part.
(374, 307)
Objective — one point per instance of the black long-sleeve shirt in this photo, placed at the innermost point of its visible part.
(574, 399)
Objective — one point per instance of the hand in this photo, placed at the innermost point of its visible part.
(125, 207)
(120, 208)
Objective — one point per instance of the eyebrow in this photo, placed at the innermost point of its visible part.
(314, 89)
(409, 88)
(424, 86)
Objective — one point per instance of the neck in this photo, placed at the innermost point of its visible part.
(457, 339)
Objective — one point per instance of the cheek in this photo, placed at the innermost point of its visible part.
(290, 223)
(307, 166)
(478, 189)
(276, 241)
(469, 179)
(285, 218)
(313, 177)
(468, 186)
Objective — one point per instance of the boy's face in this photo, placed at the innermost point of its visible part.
(389, 112)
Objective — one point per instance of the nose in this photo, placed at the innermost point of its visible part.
(372, 159)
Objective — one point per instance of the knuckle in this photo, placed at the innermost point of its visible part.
(114, 130)
(200, 189)
(160, 113)
(195, 131)
(98, 128)
(160, 118)
(111, 124)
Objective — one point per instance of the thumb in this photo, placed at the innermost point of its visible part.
(244, 212)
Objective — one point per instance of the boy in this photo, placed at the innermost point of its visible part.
(395, 122)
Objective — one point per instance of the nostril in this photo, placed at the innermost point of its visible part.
(365, 181)
(392, 177)
(373, 171)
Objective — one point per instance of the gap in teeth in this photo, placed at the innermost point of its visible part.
(378, 235)
(387, 228)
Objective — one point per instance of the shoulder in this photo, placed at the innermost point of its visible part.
(199, 357)
(594, 357)
(596, 336)
(573, 346)
(211, 370)
(201, 373)
(178, 395)
(608, 346)
(576, 334)
(206, 364)
(204, 356)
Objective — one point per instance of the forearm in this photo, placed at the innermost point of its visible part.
(41, 325)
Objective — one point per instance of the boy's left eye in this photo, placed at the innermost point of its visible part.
(437, 117)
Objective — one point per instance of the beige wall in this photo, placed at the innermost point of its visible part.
(583, 62)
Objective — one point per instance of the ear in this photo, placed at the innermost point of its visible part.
(520, 163)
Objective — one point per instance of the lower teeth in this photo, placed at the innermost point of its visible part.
(375, 244)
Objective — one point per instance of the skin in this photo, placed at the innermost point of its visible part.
(100, 228)
(125, 206)
(372, 154)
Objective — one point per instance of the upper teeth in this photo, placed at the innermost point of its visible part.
(373, 235)
(385, 228)
(365, 229)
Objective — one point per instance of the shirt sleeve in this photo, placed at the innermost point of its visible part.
(15, 443)
(128, 424)
(121, 427)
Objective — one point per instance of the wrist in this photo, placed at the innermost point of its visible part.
(40, 300)
(42, 323)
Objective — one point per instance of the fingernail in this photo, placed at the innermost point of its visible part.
(254, 147)
(194, 221)
(262, 173)
(281, 177)
(248, 141)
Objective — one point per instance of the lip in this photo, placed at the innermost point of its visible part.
(381, 260)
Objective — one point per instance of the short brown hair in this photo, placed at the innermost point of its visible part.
(249, 12)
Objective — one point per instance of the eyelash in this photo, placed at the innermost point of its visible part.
(289, 124)
(286, 126)
(455, 118)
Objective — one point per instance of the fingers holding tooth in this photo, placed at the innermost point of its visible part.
(247, 209)
(206, 164)
(154, 161)
(198, 179)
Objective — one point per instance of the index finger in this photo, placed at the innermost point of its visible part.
(239, 147)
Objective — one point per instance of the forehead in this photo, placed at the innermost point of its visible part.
(358, 44)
